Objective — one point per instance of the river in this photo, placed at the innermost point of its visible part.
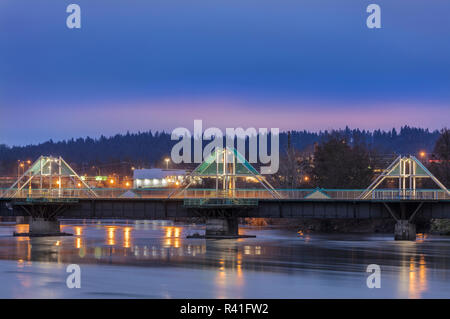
(153, 259)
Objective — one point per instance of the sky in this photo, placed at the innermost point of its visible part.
(137, 65)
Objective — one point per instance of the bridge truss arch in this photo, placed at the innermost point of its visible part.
(407, 170)
(49, 177)
(225, 166)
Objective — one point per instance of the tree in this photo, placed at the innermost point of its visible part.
(294, 168)
(337, 164)
(441, 166)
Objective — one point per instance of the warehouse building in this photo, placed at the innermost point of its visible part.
(156, 177)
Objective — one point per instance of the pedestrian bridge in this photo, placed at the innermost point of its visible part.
(222, 213)
(50, 189)
(286, 194)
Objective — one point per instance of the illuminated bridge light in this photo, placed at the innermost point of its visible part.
(111, 235)
(127, 237)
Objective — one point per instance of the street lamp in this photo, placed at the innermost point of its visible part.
(167, 160)
(20, 166)
(422, 154)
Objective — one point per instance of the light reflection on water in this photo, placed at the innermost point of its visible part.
(278, 263)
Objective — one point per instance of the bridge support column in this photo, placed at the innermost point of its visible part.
(44, 226)
(227, 227)
(405, 215)
(404, 230)
(222, 215)
(42, 215)
(41, 227)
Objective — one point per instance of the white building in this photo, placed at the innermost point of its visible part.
(156, 177)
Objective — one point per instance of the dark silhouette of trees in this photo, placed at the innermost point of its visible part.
(341, 164)
(440, 166)
(116, 154)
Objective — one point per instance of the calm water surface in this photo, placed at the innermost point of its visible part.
(153, 259)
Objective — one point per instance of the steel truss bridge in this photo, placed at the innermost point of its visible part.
(286, 194)
(34, 195)
(222, 213)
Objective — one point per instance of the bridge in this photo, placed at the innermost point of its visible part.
(51, 190)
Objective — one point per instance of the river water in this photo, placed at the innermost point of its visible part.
(153, 259)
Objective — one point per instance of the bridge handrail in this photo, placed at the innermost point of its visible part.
(338, 194)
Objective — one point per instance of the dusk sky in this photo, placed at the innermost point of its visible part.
(292, 64)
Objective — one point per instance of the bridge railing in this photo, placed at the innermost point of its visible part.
(219, 202)
(409, 195)
(44, 193)
(294, 194)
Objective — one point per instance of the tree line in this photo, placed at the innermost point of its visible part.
(117, 154)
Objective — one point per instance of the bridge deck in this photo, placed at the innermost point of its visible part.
(301, 203)
(157, 208)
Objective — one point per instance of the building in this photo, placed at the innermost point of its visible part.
(156, 177)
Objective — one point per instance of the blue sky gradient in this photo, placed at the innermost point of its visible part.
(293, 64)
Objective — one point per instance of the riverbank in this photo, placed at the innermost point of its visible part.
(435, 226)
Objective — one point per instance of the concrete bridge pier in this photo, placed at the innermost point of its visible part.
(404, 230)
(226, 227)
(223, 228)
(405, 216)
(222, 216)
(42, 227)
(42, 217)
